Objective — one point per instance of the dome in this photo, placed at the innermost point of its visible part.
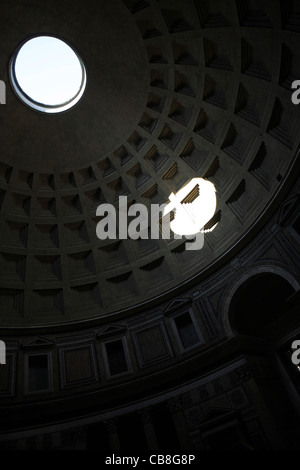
(166, 101)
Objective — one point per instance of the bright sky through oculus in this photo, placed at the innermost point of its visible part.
(50, 73)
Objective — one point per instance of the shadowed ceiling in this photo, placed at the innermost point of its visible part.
(175, 90)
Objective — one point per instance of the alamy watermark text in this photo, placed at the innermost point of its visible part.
(2, 352)
(2, 92)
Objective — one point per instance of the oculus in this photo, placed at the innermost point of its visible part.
(47, 74)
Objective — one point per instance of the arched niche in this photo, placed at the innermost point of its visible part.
(234, 286)
(258, 301)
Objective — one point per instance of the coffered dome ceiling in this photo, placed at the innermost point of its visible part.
(175, 90)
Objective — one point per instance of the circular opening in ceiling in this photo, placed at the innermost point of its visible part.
(48, 75)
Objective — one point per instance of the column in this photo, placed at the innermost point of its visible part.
(151, 439)
(175, 408)
(112, 431)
